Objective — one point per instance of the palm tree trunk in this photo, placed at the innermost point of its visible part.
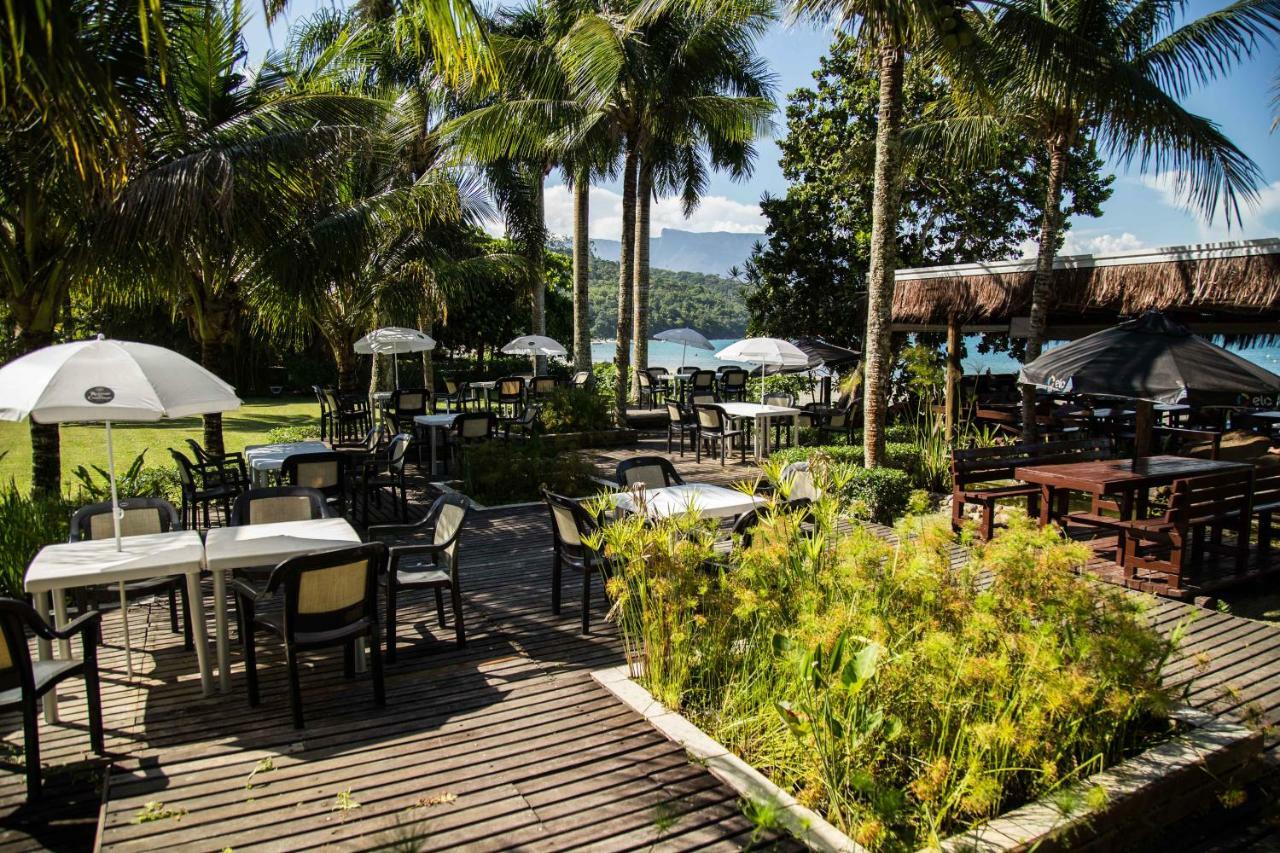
(644, 193)
(537, 271)
(1050, 224)
(884, 245)
(581, 271)
(211, 360)
(428, 371)
(46, 444)
(625, 271)
(344, 357)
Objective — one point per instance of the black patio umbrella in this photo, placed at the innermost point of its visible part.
(821, 354)
(1153, 359)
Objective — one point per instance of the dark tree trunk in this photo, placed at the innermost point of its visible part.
(581, 271)
(884, 246)
(346, 361)
(621, 356)
(211, 360)
(640, 334)
(46, 444)
(537, 271)
(1050, 223)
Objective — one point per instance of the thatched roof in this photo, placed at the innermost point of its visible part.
(1223, 284)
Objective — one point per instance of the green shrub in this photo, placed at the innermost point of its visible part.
(291, 434)
(876, 494)
(575, 410)
(27, 524)
(93, 484)
(902, 698)
(496, 472)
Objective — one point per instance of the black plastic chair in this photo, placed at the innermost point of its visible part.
(329, 599)
(701, 382)
(680, 422)
(714, 428)
(581, 379)
(24, 681)
(785, 400)
(471, 428)
(203, 486)
(650, 397)
(139, 516)
(654, 472)
(511, 394)
(385, 472)
(435, 537)
(524, 426)
(325, 471)
(569, 524)
(733, 384)
(407, 403)
(280, 503)
(540, 388)
(228, 469)
(326, 414)
(454, 396)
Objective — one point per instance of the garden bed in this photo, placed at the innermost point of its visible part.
(1141, 795)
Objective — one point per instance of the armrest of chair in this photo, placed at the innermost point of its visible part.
(378, 531)
(84, 622)
(245, 591)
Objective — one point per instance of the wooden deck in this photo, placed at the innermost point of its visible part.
(507, 743)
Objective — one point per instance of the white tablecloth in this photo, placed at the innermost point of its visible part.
(263, 458)
(96, 562)
(709, 501)
(250, 545)
(761, 414)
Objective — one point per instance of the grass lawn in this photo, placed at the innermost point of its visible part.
(85, 444)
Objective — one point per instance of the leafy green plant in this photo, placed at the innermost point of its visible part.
(27, 524)
(500, 473)
(154, 810)
(93, 483)
(290, 434)
(875, 494)
(575, 410)
(902, 697)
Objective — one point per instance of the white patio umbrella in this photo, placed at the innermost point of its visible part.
(686, 338)
(764, 351)
(393, 340)
(102, 380)
(534, 345)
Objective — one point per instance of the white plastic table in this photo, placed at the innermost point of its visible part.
(762, 415)
(264, 458)
(433, 423)
(250, 545)
(96, 562)
(707, 500)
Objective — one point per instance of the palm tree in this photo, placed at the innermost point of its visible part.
(1118, 71)
(229, 156)
(620, 64)
(704, 107)
(939, 29)
(68, 108)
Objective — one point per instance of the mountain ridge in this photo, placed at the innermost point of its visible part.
(707, 252)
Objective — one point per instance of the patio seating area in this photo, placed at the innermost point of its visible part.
(504, 742)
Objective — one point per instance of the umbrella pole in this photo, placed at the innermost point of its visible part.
(395, 370)
(115, 522)
(684, 352)
(1143, 424)
(762, 383)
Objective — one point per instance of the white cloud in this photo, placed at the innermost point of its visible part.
(1080, 244)
(716, 213)
(1171, 188)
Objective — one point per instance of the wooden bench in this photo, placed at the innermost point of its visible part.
(977, 474)
(1202, 505)
(1266, 502)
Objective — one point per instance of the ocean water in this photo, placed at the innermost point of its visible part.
(668, 355)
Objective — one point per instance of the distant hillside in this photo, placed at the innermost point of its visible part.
(711, 252)
(709, 303)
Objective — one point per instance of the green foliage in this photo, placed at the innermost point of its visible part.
(810, 277)
(709, 303)
(290, 434)
(93, 484)
(498, 472)
(902, 698)
(575, 410)
(27, 524)
(876, 494)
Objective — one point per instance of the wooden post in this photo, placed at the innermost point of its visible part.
(1143, 422)
(952, 394)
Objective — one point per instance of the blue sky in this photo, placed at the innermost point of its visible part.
(1142, 212)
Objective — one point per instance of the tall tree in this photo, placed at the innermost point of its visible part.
(228, 155)
(809, 276)
(1118, 68)
(74, 77)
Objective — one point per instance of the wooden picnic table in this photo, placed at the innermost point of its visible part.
(1128, 479)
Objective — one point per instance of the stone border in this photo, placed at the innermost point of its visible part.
(1143, 793)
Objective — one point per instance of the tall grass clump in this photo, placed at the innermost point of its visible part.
(903, 698)
(27, 524)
